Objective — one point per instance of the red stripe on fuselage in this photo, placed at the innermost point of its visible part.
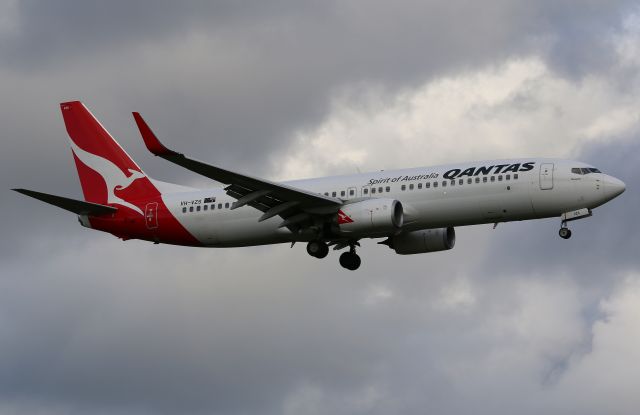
(129, 224)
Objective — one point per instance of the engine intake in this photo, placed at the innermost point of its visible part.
(371, 218)
(420, 242)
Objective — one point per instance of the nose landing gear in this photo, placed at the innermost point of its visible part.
(564, 232)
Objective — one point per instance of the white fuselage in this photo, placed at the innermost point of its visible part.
(432, 197)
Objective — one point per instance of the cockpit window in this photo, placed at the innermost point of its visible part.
(584, 170)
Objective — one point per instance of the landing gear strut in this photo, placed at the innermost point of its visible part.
(350, 260)
(317, 249)
(564, 232)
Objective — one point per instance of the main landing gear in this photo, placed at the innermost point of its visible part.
(349, 260)
(317, 249)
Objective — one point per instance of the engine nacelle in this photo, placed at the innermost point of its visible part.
(371, 218)
(420, 242)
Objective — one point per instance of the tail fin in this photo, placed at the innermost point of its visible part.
(107, 174)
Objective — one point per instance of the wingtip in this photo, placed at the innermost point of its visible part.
(150, 140)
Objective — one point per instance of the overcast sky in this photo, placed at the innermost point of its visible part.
(513, 320)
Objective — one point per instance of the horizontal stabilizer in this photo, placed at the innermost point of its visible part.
(76, 206)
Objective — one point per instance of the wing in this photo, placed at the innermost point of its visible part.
(72, 205)
(297, 207)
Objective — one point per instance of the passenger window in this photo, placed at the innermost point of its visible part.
(213, 207)
(403, 188)
(190, 208)
(500, 178)
(198, 208)
(435, 184)
(507, 177)
(333, 194)
(469, 180)
(453, 182)
(477, 180)
(326, 193)
(380, 189)
(484, 179)
(365, 191)
(493, 178)
(351, 192)
(205, 207)
(444, 184)
(427, 185)
(373, 190)
(388, 189)
(411, 186)
(515, 176)
(184, 210)
(419, 185)
(342, 193)
(219, 205)
(461, 182)
(226, 206)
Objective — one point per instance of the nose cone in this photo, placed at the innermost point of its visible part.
(612, 187)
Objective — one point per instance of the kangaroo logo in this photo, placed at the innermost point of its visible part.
(343, 218)
(114, 178)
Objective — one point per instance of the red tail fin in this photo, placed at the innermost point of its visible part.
(107, 174)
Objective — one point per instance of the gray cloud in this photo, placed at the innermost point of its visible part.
(237, 80)
(89, 324)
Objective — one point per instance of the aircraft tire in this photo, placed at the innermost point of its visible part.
(565, 233)
(350, 261)
(317, 249)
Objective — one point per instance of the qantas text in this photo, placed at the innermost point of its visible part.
(454, 173)
(484, 170)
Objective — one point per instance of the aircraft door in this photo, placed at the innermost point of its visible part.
(151, 215)
(546, 176)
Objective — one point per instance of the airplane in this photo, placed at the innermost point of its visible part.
(414, 210)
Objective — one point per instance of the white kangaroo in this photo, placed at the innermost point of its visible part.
(112, 175)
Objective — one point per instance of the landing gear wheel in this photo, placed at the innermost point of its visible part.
(565, 233)
(317, 249)
(350, 261)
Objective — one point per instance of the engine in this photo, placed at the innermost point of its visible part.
(371, 218)
(420, 242)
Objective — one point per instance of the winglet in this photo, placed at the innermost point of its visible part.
(150, 140)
